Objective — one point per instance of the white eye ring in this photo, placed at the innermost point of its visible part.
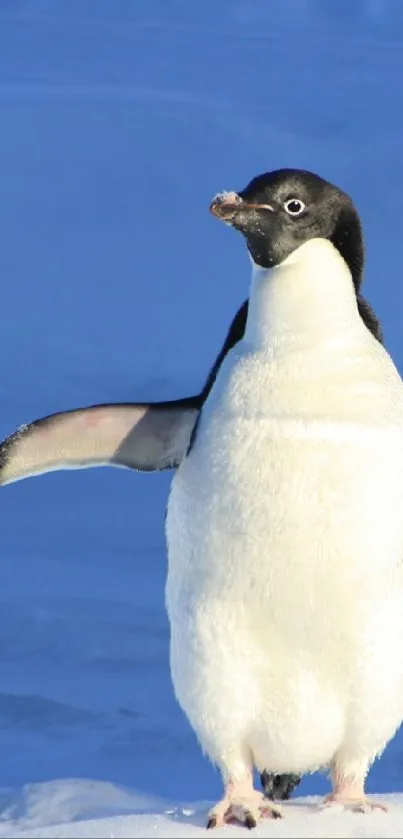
(294, 206)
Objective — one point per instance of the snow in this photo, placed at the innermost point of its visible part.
(119, 123)
(89, 809)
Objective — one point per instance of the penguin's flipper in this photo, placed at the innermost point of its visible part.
(147, 437)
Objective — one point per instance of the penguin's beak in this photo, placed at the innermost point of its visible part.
(226, 206)
(231, 208)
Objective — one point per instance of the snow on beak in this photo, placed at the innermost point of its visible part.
(229, 206)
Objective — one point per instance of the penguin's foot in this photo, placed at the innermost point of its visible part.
(242, 804)
(356, 805)
(350, 794)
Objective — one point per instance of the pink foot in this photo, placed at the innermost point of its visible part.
(357, 805)
(242, 804)
(350, 794)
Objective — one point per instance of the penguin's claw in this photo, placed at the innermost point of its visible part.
(249, 821)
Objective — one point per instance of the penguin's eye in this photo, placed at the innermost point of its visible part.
(294, 206)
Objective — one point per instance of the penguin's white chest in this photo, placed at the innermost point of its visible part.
(292, 467)
(281, 524)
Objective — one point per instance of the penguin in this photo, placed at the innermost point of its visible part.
(284, 526)
(146, 437)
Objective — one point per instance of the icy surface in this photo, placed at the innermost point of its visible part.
(88, 809)
(119, 123)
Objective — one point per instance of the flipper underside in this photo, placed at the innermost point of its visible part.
(146, 437)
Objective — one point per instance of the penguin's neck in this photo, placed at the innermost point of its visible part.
(308, 298)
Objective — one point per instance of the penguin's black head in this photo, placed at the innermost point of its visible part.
(279, 211)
